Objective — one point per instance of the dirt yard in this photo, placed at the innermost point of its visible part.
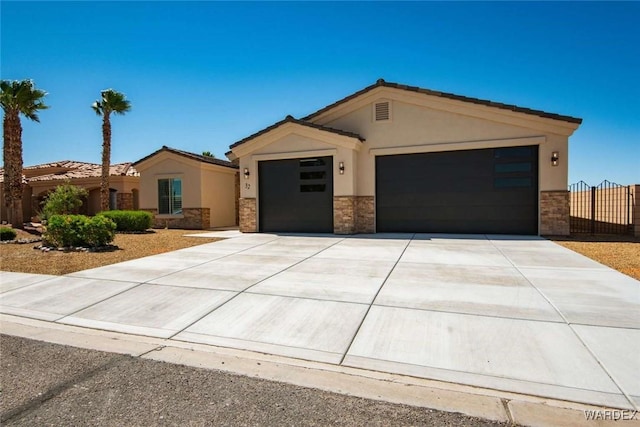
(23, 258)
(619, 252)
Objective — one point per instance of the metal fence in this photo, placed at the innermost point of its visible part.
(603, 209)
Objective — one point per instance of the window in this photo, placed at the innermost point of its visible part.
(512, 182)
(170, 196)
(313, 174)
(513, 152)
(514, 167)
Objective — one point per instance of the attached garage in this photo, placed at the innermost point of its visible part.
(398, 158)
(471, 191)
(296, 195)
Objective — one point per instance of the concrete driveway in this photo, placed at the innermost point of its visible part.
(509, 313)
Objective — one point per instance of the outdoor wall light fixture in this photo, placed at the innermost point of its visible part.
(554, 158)
(246, 173)
(341, 168)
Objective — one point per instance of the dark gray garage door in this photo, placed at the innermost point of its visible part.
(296, 195)
(473, 191)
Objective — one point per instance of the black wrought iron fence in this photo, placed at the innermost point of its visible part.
(606, 208)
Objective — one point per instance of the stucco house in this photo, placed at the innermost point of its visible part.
(187, 190)
(397, 158)
(39, 180)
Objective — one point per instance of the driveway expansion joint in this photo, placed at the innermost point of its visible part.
(373, 300)
(245, 290)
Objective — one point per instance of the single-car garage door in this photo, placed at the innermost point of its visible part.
(296, 195)
(473, 191)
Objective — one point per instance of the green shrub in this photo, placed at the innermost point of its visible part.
(130, 220)
(98, 231)
(64, 230)
(66, 199)
(79, 230)
(7, 233)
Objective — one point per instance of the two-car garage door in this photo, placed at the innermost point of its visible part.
(473, 191)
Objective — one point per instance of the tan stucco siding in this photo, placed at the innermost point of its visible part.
(553, 178)
(204, 186)
(415, 128)
(298, 146)
(168, 167)
(218, 194)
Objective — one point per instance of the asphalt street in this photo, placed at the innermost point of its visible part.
(52, 385)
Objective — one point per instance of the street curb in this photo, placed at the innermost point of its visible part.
(490, 404)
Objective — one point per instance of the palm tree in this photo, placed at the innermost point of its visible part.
(16, 97)
(110, 102)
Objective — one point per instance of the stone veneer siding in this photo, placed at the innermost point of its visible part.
(554, 213)
(353, 214)
(365, 214)
(344, 214)
(124, 201)
(191, 219)
(248, 220)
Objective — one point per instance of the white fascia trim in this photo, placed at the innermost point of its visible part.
(303, 131)
(461, 145)
(294, 155)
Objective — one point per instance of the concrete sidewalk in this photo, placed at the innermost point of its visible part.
(503, 313)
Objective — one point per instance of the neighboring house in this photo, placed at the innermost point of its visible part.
(187, 190)
(39, 180)
(396, 158)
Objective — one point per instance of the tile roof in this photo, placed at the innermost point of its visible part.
(198, 157)
(69, 169)
(291, 119)
(383, 83)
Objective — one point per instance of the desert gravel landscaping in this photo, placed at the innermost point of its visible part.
(24, 259)
(621, 253)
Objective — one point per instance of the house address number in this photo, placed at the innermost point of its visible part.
(247, 185)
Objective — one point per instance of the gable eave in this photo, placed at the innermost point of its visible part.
(290, 126)
(473, 105)
(186, 157)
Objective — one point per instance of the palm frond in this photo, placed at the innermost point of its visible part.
(115, 102)
(97, 107)
(22, 97)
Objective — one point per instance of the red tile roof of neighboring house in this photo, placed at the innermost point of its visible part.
(291, 119)
(198, 157)
(68, 169)
(383, 83)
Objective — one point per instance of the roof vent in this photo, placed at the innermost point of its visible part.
(382, 111)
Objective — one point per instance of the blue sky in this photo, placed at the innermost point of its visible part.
(202, 75)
